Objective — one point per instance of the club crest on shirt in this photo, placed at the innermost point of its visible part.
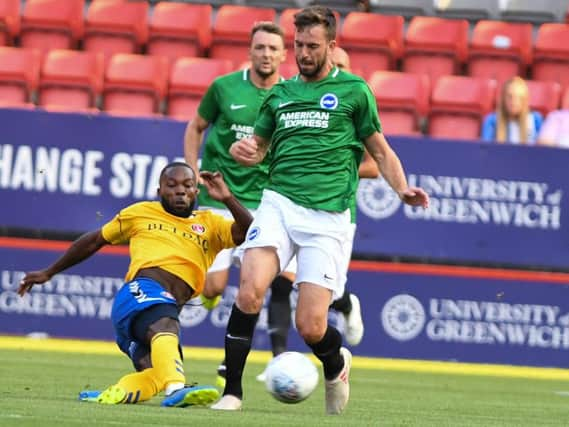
(329, 101)
(198, 228)
(253, 233)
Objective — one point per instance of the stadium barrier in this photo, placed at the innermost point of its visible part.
(490, 203)
(410, 311)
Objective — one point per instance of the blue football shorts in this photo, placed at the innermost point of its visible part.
(130, 302)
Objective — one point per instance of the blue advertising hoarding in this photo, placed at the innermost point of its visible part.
(410, 311)
(73, 172)
(490, 203)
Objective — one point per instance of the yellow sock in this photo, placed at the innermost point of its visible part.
(139, 386)
(166, 360)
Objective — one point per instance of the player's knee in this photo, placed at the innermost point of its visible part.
(311, 329)
(213, 288)
(164, 324)
(250, 300)
(211, 292)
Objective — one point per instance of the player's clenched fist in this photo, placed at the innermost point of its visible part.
(415, 196)
(245, 151)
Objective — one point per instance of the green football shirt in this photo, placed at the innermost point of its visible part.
(316, 131)
(231, 104)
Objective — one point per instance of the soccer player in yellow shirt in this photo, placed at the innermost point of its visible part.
(171, 247)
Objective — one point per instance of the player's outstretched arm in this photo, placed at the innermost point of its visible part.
(249, 151)
(80, 249)
(392, 170)
(193, 138)
(217, 189)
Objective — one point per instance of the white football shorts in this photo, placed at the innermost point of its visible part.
(320, 240)
(228, 257)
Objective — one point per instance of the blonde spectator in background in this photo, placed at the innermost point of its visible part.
(513, 121)
(555, 129)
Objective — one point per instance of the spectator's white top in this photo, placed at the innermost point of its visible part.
(556, 128)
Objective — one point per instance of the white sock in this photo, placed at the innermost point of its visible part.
(172, 387)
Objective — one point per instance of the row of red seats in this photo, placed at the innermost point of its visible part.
(142, 85)
(431, 45)
(110, 26)
(454, 107)
(130, 84)
(437, 47)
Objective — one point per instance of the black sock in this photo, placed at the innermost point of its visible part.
(328, 351)
(279, 314)
(343, 304)
(240, 329)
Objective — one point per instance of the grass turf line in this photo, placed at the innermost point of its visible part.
(212, 354)
(40, 388)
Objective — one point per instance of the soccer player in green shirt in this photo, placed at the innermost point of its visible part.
(230, 106)
(229, 109)
(314, 125)
(348, 304)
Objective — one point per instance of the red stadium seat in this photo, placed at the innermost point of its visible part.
(402, 99)
(232, 30)
(179, 29)
(9, 21)
(565, 100)
(458, 106)
(19, 73)
(189, 80)
(116, 26)
(288, 70)
(374, 42)
(52, 24)
(70, 80)
(544, 96)
(286, 21)
(499, 50)
(134, 84)
(551, 54)
(435, 46)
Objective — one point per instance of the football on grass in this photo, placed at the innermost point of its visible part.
(291, 377)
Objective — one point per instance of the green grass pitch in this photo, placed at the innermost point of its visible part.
(39, 388)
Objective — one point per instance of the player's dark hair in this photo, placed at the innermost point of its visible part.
(316, 15)
(267, 27)
(174, 165)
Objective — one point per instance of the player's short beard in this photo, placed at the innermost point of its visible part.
(185, 213)
(313, 73)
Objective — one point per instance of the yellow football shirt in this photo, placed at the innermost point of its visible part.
(185, 247)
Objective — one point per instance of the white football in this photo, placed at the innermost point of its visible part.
(291, 377)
